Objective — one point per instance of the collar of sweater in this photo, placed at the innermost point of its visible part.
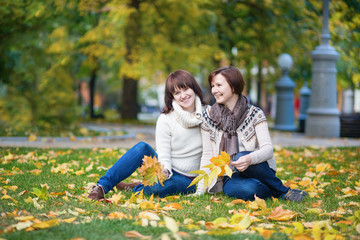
(185, 118)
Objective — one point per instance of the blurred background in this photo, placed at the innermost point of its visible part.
(64, 62)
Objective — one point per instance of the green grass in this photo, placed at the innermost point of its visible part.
(324, 173)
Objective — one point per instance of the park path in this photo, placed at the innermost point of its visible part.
(146, 133)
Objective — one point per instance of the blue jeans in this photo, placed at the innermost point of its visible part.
(131, 161)
(257, 179)
(177, 184)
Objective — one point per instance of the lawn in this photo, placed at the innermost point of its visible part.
(44, 196)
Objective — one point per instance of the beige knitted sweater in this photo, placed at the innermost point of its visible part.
(253, 136)
(178, 140)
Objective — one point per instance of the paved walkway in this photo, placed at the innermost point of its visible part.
(146, 133)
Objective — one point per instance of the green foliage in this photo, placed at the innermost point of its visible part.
(50, 47)
(345, 29)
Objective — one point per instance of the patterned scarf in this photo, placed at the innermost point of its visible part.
(229, 121)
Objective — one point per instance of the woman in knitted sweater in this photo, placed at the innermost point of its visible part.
(178, 143)
(241, 130)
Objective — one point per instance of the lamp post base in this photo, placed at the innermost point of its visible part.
(285, 127)
(323, 125)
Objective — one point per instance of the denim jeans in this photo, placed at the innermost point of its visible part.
(177, 184)
(257, 179)
(131, 161)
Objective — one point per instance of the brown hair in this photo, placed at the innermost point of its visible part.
(233, 77)
(179, 79)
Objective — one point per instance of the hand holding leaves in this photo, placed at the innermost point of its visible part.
(152, 171)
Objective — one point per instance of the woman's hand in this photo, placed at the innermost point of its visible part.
(242, 163)
(166, 172)
(195, 194)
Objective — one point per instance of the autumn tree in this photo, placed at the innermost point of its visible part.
(38, 86)
(261, 30)
(345, 30)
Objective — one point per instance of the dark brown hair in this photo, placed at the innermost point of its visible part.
(233, 77)
(179, 79)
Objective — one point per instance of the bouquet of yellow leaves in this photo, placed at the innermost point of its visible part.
(152, 171)
(219, 166)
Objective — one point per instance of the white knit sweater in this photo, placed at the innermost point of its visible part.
(253, 136)
(178, 140)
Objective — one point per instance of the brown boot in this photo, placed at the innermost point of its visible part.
(97, 193)
(126, 186)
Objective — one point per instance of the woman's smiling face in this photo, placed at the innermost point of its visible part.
(185, 97)
(221, 89)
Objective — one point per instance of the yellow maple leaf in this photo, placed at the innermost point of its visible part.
(152, 171)
(221, 161)
(219, 166)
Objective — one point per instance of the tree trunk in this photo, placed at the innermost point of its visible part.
(129, 107)
(92, 93)
(259, 85)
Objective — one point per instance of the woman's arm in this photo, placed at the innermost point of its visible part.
(207, 154)
(163, 142)
(265, 151)
(265, 148)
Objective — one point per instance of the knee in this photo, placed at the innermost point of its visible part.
(248, 191)
(142, 145)
(240, 193)
(146, 148)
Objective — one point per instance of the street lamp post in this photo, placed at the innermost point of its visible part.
(323, 116)
(284, 119)
(304, 105)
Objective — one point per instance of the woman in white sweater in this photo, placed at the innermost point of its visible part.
(240, 129)
(178, 143)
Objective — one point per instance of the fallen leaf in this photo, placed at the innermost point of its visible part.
(147, 205)
(149, 215)
(279, 214)
(12, 188)
(135, 234)
(69, 220)
(117, 215)
(314, 211)
(46, 224)
(238, 201)
(173, 206)
(244, 223)
(260, 202)
(171, 224)
(23, 225)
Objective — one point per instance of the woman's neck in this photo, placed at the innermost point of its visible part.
(230, 104)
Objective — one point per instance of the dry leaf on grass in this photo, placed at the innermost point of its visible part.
(280, 214)
(135, 234)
